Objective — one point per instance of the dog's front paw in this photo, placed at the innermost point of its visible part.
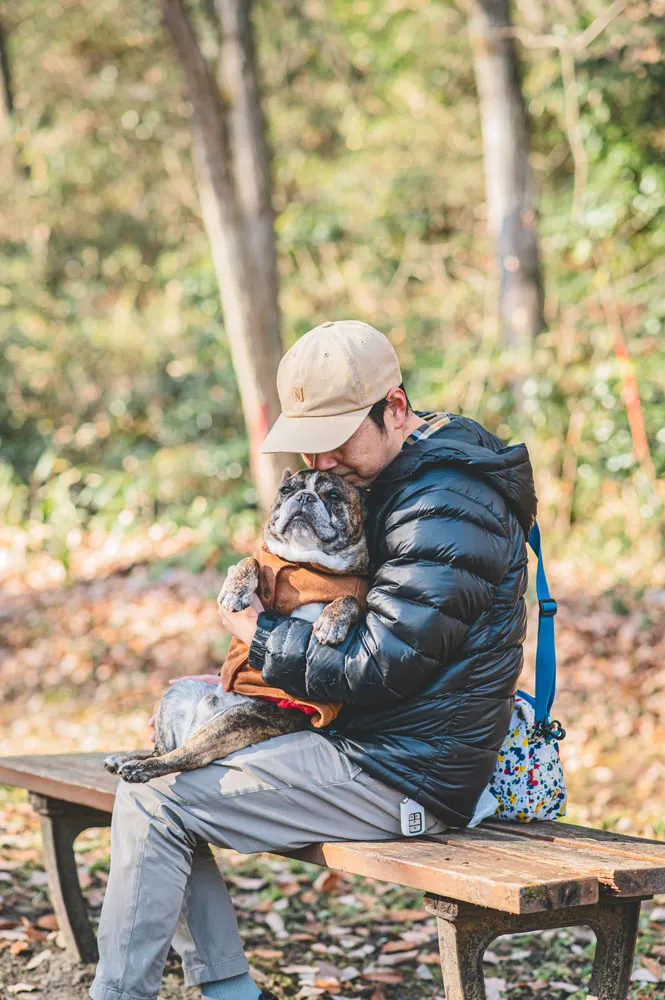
(336, 619)
(134, 771)
(329, 633)
(234, 599)
(113, 762)
(241, 582)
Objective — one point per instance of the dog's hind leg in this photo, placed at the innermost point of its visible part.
(239, 727)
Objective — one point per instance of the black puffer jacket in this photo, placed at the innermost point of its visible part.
(428, 678)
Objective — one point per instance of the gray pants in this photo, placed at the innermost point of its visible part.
(164, 886)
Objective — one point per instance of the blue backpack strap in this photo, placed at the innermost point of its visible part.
(545, 651)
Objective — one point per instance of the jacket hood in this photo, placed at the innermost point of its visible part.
(463, 442)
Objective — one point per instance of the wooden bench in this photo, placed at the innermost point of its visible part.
(502, 878)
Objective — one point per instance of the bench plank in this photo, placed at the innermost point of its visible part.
(619, 874)
(485, 878)
(74, 777)
(602, 841)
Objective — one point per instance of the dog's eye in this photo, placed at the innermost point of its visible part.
(286, 490)
(334, 496)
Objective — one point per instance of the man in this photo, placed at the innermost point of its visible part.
(427, 678)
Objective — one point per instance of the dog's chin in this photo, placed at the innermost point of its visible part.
(301, 530)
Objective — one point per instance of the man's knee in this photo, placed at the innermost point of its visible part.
(140, 799)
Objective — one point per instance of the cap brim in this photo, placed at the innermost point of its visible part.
(311, 435)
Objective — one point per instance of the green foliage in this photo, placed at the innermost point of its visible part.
(118, 403)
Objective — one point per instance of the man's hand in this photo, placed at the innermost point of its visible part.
(242, 624)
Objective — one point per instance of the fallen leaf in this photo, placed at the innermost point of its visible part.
(430, 958)
(494, 988)
(418, 935)
(267, 953)
(382, 976)
(249, 884)
(657, 915)
(329, 881)
(349, 973)
(407, 916)
(288, 888)
(276, 924)
(391, 946)
(423, 972)
(38, 878)
(654, 966)
(644, 976)
(331, 985)
(308, 896)
(31, 932)
(21, 988)
(13, 934)
(17, 947)
(39, 959)
(6, 925)
(326, 970)
(260, 977)
(398, 957)
(378, 994)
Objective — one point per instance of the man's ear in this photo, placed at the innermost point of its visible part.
(285, 475)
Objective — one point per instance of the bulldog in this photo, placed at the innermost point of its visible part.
(312, 564)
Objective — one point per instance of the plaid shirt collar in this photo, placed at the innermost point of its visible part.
(432, 422)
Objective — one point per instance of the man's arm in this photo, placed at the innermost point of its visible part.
(440, 576)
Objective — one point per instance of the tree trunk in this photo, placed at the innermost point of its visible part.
(6, 98)
(234, 188)
(509, 185)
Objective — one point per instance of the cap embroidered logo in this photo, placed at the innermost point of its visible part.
(298, 393)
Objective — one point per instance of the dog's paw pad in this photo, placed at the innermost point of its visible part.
(330, 633)
(112, 763)
(233, 602)
(134, 772)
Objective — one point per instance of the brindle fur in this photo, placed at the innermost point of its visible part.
(196, 723)
(336, 619)
(241, 582)
(252, 721)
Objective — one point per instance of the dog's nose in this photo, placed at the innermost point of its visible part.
(305, 496)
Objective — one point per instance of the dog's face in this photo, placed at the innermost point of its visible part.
(318, 517)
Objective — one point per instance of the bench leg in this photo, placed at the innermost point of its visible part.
(61, 822)
(615, 925)
(462, 944)
(466, 930)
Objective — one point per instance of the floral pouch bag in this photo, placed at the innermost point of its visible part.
(528, 780)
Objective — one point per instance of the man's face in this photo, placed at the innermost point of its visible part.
(364, 456)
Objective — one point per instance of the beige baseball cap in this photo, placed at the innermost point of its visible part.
(327, 383)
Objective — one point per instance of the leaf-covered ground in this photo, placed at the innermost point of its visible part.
(81, 665)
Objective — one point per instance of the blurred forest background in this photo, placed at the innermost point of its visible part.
(126, 484)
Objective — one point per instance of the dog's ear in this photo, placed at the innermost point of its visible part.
(285, 475)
